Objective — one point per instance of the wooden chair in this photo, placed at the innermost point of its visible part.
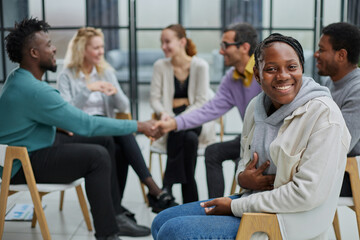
(162, 151)
(36, 190)
(127, 116)
(259, 222)
(308, 224)
(352, 202)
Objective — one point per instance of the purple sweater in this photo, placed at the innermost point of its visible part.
(230, 93)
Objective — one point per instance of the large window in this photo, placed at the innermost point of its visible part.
(132, 31)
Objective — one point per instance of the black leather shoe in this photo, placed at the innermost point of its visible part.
(128, 227)
(161, 202)
(112, 237)
(128, 213)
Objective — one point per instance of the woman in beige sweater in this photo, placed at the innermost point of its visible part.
(292, 129)
(180, 83)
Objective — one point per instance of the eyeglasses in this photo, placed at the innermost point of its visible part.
(225, 45)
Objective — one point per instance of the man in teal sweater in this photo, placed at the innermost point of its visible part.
(30, 112)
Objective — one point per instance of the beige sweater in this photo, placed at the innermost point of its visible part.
(162, 91)
(310, 168)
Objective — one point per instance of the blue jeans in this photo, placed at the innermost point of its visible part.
(189, 221)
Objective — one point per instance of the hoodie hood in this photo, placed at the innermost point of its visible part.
(267, 127)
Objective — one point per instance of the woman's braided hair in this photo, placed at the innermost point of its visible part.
(277, 37)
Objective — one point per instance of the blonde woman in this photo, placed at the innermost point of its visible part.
(89, 83)
(180, 84)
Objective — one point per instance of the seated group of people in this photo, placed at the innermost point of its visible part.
(293, 127)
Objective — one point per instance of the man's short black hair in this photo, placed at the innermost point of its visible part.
(344, 36)
(21, 35)
(244, 32)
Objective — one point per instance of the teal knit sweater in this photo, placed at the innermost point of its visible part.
(30, 111)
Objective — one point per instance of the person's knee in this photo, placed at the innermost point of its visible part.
(99, 156)
(211, 154)
(108, 142)
(158, 222)
(171, 229)
(211, 150)
(191, 139)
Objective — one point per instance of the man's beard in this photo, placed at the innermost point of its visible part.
(51, 68)
(328, 71)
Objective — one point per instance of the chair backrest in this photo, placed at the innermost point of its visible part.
(122, 115)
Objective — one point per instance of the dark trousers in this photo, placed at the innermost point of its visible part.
(215, 155)
(181, 162)
(346, 187)
(74, 157)
(129, 153)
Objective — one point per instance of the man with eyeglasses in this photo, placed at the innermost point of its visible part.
(236, 89)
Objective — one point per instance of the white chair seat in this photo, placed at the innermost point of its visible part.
(43, 187)
(159, 150)
(346, 201)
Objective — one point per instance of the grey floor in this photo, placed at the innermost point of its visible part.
(69, 224)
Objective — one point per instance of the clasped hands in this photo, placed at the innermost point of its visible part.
(157, 128)
(251, 178)
(102, 86)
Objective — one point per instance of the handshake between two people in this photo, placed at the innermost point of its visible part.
(154, 129)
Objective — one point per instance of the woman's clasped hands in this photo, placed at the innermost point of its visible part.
(102, 86)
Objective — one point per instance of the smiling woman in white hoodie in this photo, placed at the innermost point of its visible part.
(294, 129)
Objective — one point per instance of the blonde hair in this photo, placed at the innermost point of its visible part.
(190, 47)
(74, 57)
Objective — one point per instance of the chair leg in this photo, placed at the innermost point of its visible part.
(21, 154)
(3, 204)
(83, 206)
(38, 210)
(253, 222)
(34, 219)
(161, 168)
(353, 169)
(150, 160)
(144, 193)
(357, 214)
(233, 186)
(62, 193)
(336, 226)
(4, 193)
